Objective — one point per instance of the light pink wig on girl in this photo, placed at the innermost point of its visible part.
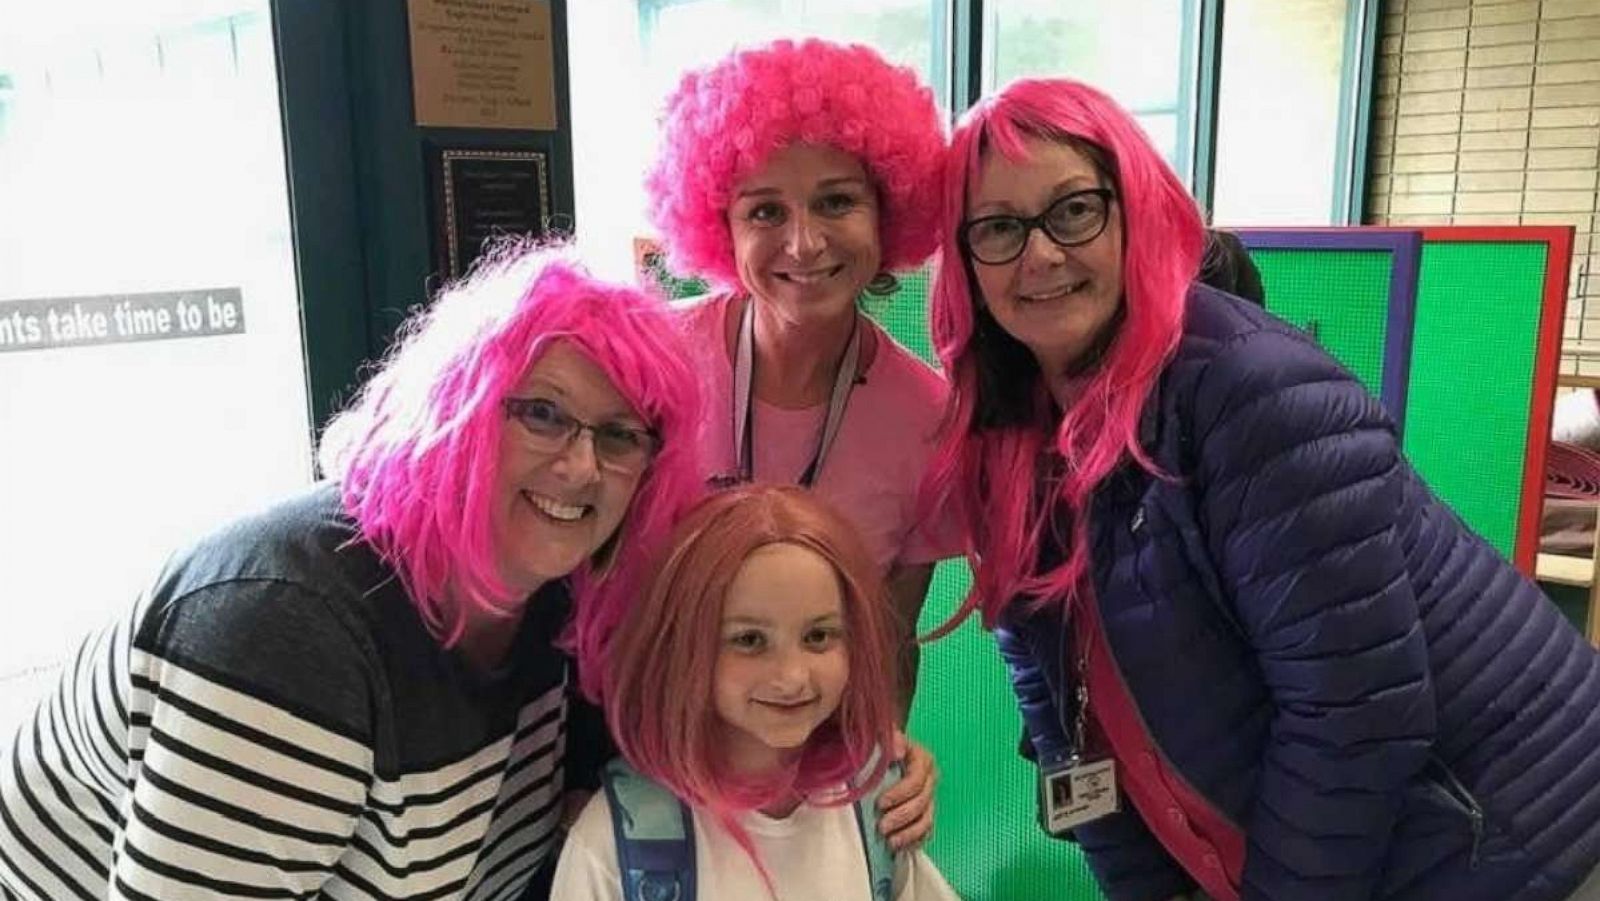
(992, 469)
(417, 452)
(662, 665)
(722, 123)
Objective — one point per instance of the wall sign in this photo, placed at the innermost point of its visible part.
(486, 194)
(55, 322)
(483, 64)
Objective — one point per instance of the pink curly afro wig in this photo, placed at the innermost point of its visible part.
(722, 123)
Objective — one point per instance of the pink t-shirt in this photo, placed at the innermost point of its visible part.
(874, 469)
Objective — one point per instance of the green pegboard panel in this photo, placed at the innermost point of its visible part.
(986, 840)
(1340, 297)
(1472, 374)
(904, 314)
(1354, 290)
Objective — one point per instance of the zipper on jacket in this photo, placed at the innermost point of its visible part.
(1463, 798)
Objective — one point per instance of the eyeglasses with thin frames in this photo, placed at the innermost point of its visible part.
(617, 447)
(1071, 220)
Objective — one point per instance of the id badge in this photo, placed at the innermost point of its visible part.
(1077, 792)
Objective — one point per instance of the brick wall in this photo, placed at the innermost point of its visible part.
(1489, 113)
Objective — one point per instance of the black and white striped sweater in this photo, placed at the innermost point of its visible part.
(273, 720)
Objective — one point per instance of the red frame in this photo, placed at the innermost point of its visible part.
(1546, 360)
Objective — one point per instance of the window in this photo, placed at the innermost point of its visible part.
(1141, 52)
(1286, 61)
(142, 171)
(681, 34)
(1285, 124)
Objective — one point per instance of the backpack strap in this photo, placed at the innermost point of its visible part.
(880, 859)
(654, 834)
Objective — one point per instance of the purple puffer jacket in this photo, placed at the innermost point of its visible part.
(1321, 649)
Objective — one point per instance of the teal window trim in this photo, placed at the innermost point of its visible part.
(1190, 76)
(966, 55)
(7, 85)
(311, 38)
(1208, 80)
(1355, 111)
(649, 19)
(941, 52)
(650, 11)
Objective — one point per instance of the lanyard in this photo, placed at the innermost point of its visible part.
(1074, 712)
(1075, 647)
(744, 371)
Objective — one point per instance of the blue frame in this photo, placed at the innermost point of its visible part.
(966, 55)
(312, 41)
(1355, 111)
(1208, 79)
(1405, 250)
(1191, 74)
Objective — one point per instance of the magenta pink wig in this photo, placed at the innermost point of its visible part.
(416, 453)
(722, 124)
(662, 664)
(993, 465)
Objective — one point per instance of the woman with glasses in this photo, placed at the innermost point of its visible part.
(796, 177)
(364, 691)
(1255, 656)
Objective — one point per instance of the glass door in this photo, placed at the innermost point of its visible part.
(152, 371)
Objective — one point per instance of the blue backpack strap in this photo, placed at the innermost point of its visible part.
(880, 858)
(654, 834)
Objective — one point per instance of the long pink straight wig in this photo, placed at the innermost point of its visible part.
(662, 666)
(994, 471)
(417, 452)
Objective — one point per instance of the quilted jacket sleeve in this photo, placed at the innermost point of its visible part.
(1299, 481)
(1127, 861)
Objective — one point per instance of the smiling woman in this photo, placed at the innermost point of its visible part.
(1055, 291)
(1224, 591)
(302, 694)
(563, 497)
(805, 236)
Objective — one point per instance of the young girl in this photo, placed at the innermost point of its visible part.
(750, 692)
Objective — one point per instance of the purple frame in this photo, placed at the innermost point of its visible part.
(1405, 249)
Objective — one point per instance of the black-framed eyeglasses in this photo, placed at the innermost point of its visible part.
(617, 447)
(1070, 220)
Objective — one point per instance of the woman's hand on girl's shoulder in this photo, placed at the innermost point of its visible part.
(907, 806)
